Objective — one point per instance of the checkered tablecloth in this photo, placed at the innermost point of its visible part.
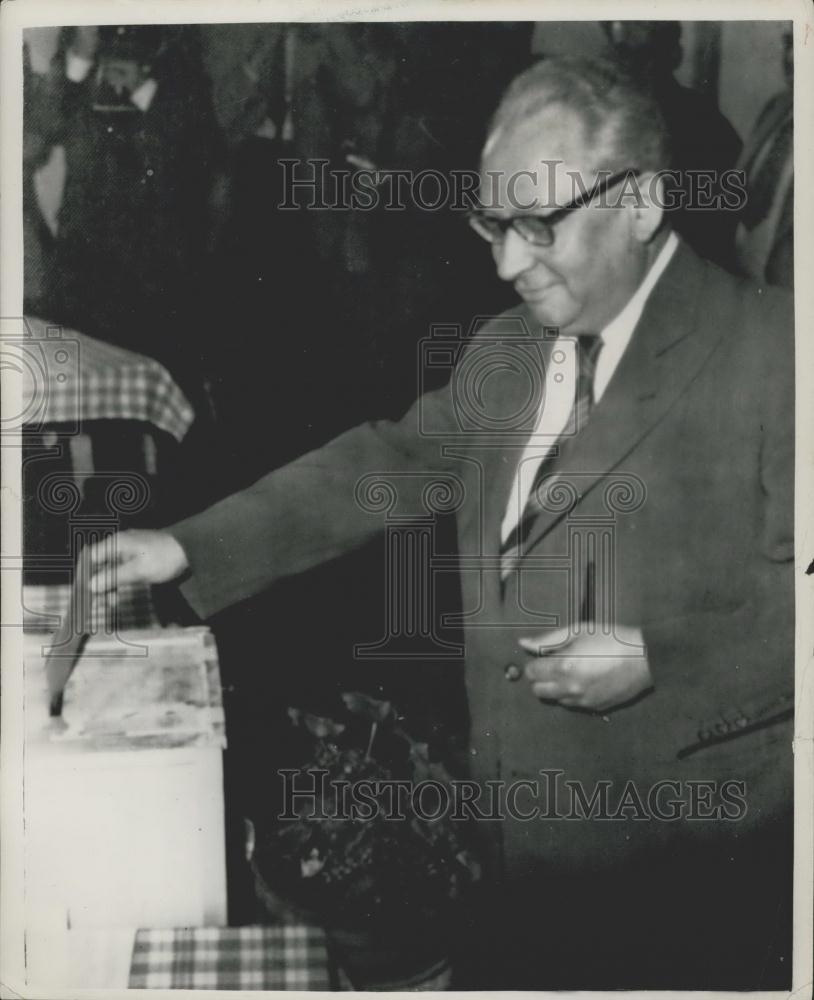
(285, 957)
(70, 378)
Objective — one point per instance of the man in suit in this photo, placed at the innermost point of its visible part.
(764, 239)
(143, 155)
(622, 448)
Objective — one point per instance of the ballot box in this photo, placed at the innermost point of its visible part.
(123, 793)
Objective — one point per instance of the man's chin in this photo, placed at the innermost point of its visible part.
(546, 310)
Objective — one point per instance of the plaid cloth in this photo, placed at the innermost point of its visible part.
(128, 607)
(86, 379)
(284, 957)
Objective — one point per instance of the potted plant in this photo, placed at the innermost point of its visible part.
(364, 848)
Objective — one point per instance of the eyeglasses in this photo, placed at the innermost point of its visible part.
(539, 229)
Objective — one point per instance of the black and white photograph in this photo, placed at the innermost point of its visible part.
(407, 489)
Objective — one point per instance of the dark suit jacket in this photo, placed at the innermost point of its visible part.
(777, 115)
(686, 467)
(135, 213)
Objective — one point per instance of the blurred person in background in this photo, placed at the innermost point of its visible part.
(764, 239)
(449, 78)
(131, 107)
(702, 138)
(301, 94)
(37, 237)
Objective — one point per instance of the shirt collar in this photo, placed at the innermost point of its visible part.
(621, 327)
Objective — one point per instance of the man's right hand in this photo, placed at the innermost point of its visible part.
(136, 556)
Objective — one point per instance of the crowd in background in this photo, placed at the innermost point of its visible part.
(168, 238)
(168, 234)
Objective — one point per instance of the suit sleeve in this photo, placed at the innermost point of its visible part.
(735, 672)
(319, 507)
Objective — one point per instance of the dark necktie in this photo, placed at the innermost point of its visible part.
(588, 348)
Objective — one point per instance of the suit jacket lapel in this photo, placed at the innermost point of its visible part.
(666, 351)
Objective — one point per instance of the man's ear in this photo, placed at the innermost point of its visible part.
(647, 209)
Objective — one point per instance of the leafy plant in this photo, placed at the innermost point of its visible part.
(388, 860)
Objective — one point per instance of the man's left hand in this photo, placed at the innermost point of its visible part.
(595, 672)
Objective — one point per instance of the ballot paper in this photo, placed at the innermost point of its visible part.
(151, 688)
(71, 636)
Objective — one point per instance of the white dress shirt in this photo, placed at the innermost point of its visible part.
(561, 383)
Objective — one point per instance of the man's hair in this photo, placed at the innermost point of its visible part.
(624, 126)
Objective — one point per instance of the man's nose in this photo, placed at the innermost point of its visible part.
(512, 255)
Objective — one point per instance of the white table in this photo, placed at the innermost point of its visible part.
(124, 800)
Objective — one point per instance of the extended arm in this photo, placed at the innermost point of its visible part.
(297, 517)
